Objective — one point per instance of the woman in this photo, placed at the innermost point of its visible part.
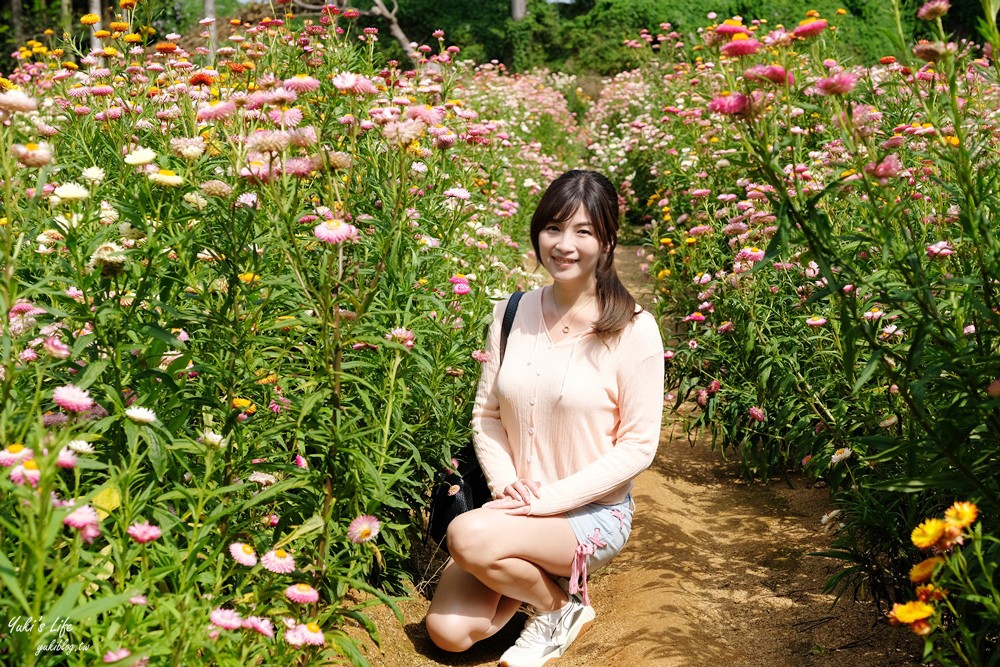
(561, 429)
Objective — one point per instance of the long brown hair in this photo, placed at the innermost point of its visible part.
(598, 197)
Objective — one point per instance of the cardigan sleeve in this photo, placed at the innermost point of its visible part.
(639, 376)
(489, 435)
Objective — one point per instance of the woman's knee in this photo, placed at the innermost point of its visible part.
(472, 539)
(448, 633)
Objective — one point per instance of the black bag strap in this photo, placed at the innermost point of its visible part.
(508, 321)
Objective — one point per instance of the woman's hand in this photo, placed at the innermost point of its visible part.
(522, 490)
(510, 506)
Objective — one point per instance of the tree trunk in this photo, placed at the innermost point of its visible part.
(65, 17)
(95, 8)
(213, 30)
(379, 9)
(518, 9)
(17, 18)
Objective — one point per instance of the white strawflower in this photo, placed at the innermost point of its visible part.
(108, 213)
(195, 200)
(93, 175)
(212, 439)
(71, 192)
(166, 177)
(140, 156)
(81, 446)
(140, 415)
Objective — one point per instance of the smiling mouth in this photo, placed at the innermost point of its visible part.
(559, 261)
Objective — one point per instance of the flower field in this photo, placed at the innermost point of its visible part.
(244, 293)
(823, 237)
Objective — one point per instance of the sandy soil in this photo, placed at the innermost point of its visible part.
(716, 572)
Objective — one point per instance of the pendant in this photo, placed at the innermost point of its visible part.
(566, 329)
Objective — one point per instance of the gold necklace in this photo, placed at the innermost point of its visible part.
(566, 327)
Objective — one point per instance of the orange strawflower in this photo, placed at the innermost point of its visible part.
(928, 533)
(962, 514)
(930, 592)
(165, 47)
(923, 570)
(910, 612)
(90, 19)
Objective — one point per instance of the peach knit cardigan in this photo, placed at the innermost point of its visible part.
(580, 417)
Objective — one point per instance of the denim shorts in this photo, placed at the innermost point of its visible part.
(601, 531)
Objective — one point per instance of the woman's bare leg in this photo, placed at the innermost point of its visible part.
(498, 562)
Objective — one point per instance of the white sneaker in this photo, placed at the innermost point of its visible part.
(547, 635)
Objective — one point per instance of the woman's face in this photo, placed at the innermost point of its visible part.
(570, 250)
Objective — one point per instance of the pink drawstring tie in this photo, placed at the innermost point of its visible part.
(621, 518)
(578, 570)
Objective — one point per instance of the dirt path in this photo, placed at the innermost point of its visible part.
(716, 572)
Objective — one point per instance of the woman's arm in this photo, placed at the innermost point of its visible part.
(489, 435)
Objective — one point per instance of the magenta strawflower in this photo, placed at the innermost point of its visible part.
(278, 561)
(940, 249)
(730, 105)
(67, 458)
(363, 529)
(227, 619)
(144, 532)
(458, 193)
(302, 594)
(810, 28)
(840, 83)
(243, 554)
(72, 399)
(741, 45)
(815, 321)
(757, 414)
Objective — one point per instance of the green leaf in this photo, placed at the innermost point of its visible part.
(311, 525)
(91, 373)
(8, 575)
(870, 369)
(349, 649)
(64, 605)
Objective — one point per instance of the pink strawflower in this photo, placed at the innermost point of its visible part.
(940, 249)
(840, 83)
(889, 167)
(56, 348)
(753, 254)
(305, 633)
(301, 83)
(14, 454)
(757, 414)
(72, 398)
(144, 532)
(115, 656)
(815, 321)
(227, 619)
(730, 105)
(363, 529)
(302, 594)
(481, 356)
(243, 554)
(84, 519)
(335, 231)
(215, 110)
(259, 625)
(278, 561)
(354, 84)
(138, 600)
(810, 28)
(67, 458)
(457, 193)
(933, 10)
(26, 473)
(461, 288)
(404, 337)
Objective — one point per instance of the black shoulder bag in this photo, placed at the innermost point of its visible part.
(464, 489)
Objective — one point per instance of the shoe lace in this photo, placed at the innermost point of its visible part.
(539, 629)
